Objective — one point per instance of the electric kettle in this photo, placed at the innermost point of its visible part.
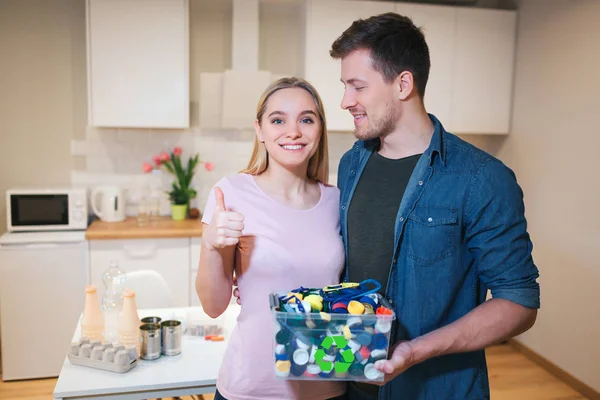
(111, 206)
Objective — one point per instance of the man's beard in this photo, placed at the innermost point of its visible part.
(377, 128)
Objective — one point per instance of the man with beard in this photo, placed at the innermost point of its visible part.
(437, 221)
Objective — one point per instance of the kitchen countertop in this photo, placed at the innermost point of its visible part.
(163, 227)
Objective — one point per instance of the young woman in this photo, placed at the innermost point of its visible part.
(276, 226)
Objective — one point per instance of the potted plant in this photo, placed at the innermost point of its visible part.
(181, 191)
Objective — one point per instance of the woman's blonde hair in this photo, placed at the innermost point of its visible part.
(318, 165)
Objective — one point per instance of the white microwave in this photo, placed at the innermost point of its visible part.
(46, 209)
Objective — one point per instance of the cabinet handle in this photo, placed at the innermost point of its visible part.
(140, 251)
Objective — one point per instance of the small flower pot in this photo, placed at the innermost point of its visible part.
(178, 211)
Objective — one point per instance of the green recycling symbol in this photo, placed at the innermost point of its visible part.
(340, 343)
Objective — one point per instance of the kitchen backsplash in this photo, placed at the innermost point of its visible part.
(115, 157)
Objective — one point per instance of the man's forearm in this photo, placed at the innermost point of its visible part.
(491, 322)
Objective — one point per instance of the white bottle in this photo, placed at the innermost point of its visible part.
(129, 322)
(114, 280)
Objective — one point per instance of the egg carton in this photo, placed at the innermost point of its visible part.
(107, 356)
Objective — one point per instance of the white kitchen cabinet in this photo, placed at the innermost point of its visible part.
(169, 257)
(325, 22)
(438, 24)
(138, 63)
(483, 68)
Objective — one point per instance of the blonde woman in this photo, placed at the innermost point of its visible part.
(276, 226)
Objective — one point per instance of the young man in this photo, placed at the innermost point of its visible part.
(437, 221)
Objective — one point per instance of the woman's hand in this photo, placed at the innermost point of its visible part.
(226, 227)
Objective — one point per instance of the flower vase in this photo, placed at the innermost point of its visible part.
(179, 211)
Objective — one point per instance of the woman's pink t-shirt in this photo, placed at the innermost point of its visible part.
(282, 248)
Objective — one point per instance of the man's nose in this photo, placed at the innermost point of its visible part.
(349, 100)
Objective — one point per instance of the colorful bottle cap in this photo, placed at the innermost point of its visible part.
(354, 345)
(374, 297)
(294, 296)
(300, 357)
(356, 369)
(302, 341)
(280, 349)
(313, 351)
(356, 308)
(371, 373)
(297, 370)
(365, 353)
(282, 368)
(364, 338)
(346, 332)
(368, 300)
(383, 326)
(378, 354)
(380, 341)
(304, 307)
(369, 310)
(313, 369)
(283, 336)
(381, 310)
(325, 316)
(291, 308)
(310, 322)
(341, 375)
(354, 322)
(315, 301)
(281, 357)
(329, 357)
(340, 305)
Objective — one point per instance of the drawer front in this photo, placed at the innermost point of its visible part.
(169, 257)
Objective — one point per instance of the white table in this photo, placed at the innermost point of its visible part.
(194, 371)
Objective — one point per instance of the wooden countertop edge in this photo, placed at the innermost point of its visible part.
(163, 228)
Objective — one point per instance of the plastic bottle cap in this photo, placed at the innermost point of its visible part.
(313, 369)
(300, 357)
(90, 289)
(354, 345)
(346, 332)
(372, 373)
(283, 366)
(354, 307)
(383, 326)
(280, 349)
(353, 322)
(378, 354)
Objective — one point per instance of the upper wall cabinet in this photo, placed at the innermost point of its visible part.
(138, 63)
(325, 22)
(472, 61)
(483, 69)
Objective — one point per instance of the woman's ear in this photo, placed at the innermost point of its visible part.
(258, 131)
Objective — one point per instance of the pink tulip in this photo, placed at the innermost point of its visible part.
(209, 166)
(164, 156)
(147, 167)
(157, 161)
(177, 151)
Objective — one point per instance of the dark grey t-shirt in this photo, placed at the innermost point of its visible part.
(372, 215)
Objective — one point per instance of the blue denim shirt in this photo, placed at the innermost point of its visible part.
(459, 231)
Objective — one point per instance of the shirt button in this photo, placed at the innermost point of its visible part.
(343, 207)
(352, 172)
(430, 219)
(420, 183)
(401, 219)
(391, 301)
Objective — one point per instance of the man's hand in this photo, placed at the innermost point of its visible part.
(226, 227)
(402, 358)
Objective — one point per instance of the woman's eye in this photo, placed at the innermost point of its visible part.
(277, 121)
(306, 120)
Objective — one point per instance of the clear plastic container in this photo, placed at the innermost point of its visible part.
(112, 302)
(316, 345)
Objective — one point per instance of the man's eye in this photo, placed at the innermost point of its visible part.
(277, 121)
(307, 120)
(358, 89)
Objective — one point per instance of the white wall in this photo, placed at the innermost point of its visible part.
(553, 147)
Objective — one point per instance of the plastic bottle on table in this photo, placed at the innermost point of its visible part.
(129, 322)
(92, 323)
(114, 280)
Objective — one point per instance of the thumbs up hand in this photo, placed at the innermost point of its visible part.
(226, 227)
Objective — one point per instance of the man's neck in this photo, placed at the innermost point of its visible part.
(412, 135)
